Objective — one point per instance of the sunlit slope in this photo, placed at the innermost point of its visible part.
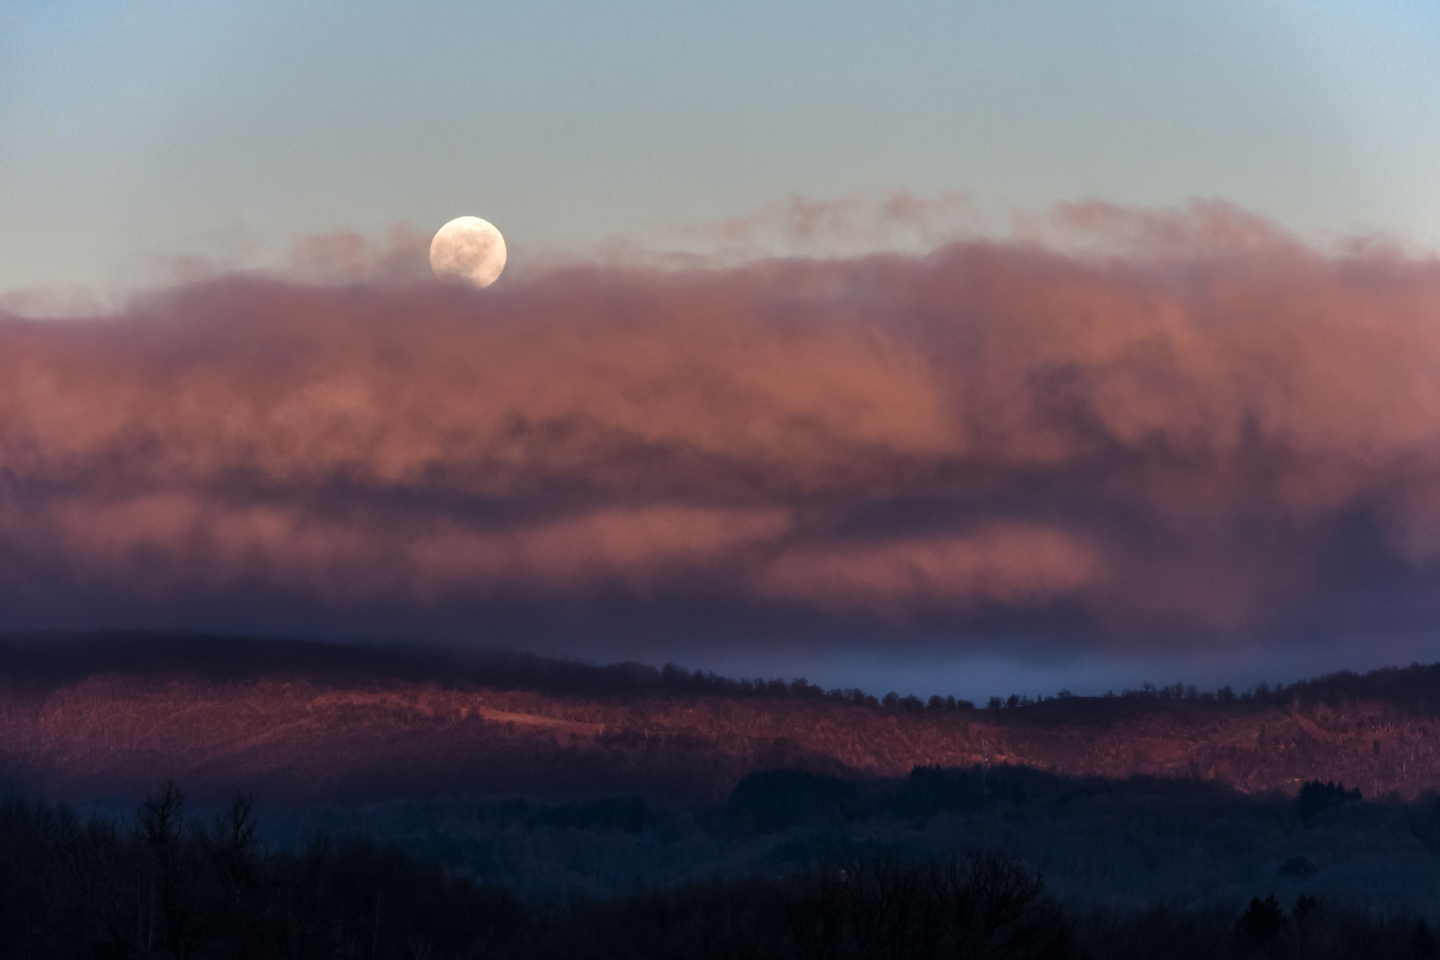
(121, 728)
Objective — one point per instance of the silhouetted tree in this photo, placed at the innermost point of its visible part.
(775, 799)
(1261, 922)
(1422, 941)
(1316, 798)
(174, 889)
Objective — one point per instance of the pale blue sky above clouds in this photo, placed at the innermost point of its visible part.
(136, 131)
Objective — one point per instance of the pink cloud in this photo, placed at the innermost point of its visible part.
(1176, 419)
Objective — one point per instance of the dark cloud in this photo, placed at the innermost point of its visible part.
(1120, 427)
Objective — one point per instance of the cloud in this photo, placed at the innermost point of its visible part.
(1129, 424)
(997, 564)
(855, 225)
(349, 257)
(858, 223)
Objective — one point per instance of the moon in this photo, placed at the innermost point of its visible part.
(468, 250)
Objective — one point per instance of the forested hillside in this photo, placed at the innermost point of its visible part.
(107, 716)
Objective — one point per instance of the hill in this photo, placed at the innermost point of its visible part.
(111, 714)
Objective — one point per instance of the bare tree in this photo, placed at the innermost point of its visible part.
(162, 827)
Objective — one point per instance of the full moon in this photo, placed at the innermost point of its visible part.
(468, 250)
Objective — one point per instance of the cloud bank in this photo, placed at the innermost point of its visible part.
(1119, 427)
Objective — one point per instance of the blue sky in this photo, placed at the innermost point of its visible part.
(137, 131)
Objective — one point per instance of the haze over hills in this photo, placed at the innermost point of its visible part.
(112, 714)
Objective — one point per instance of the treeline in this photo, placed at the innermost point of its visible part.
(1103, 842)
(67, 657)
(978, 907)
(172, 886)
(771, 800)
(675, 679)
(1414, 688)
(1262, 692)
(60, 658)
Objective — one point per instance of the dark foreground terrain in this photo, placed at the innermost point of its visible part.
(432, 805)
(170, 886)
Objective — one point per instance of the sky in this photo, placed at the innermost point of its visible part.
(957, 347)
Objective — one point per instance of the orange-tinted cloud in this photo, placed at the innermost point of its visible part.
(1165, 422)
(997, 564)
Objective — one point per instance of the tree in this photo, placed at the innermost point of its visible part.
(172, 888)
(775, 799)
(1261, 922)
(1422, 941)
(992, 907)
(1316, 798)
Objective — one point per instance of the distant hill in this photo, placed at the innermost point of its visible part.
(111, 714)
